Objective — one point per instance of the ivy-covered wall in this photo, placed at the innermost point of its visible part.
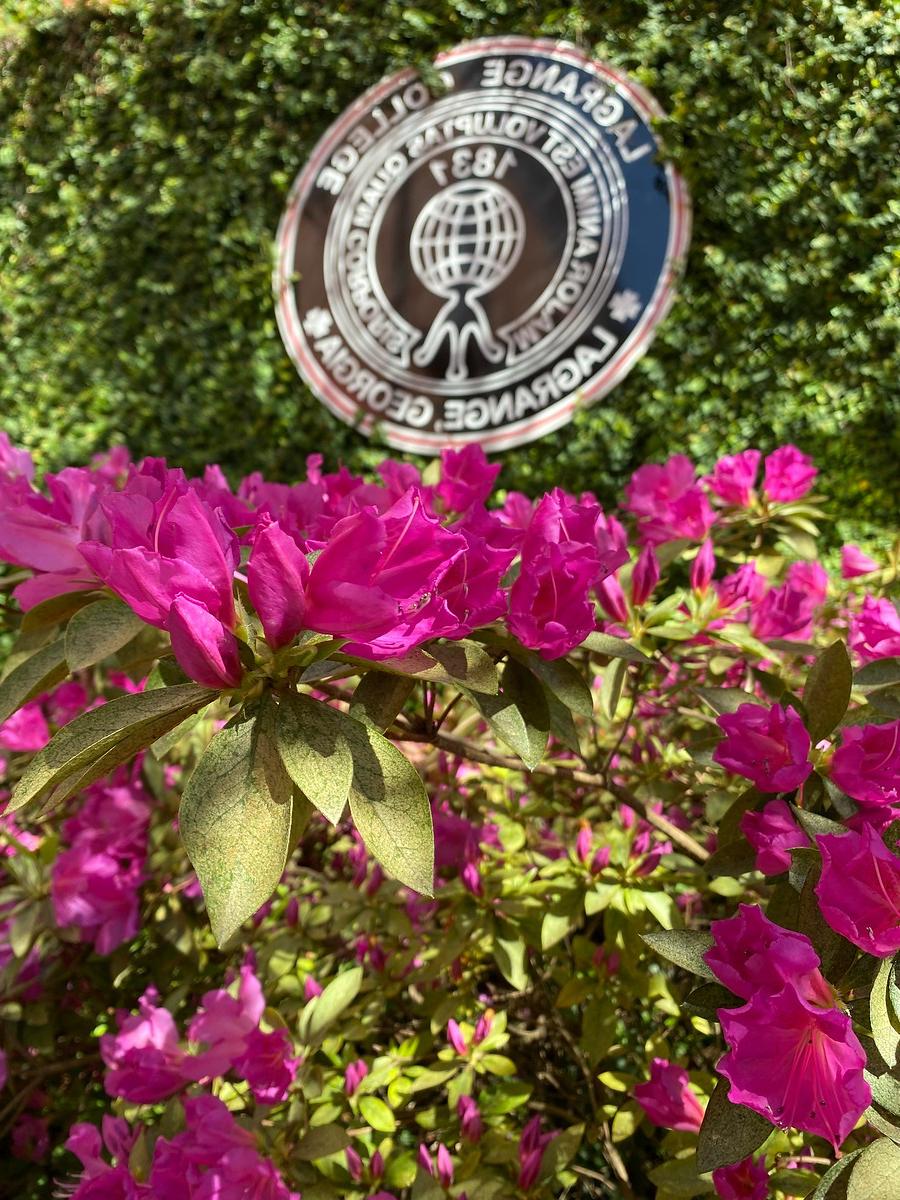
(149, 145)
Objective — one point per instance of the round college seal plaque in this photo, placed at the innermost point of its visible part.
(473, 261)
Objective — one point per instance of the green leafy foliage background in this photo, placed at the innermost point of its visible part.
(149, 147)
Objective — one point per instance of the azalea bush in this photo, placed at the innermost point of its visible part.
(399, 837)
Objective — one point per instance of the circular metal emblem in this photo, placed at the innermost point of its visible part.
(472, 261)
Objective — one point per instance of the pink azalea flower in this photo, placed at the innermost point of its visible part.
(854, 563)
(744, 1180)
(483, 1027)
(471, 1125)
(455, 1037)
(99, 1180)
(354, 1074)
(773, 832)
(267, 1065)
(703, 567)
(783, 612)
(667, 1098)
(875, 631)
(645, 576)
(744, 586)
(144, 1062)
(793, 1056)
(669, 502)
(789, 474)
(224, 1022)
(733, 477)
(809, 577)
(466, 478)
(95, 893)
(752, 954)
(768, 746)
(277, 574)
(532, 1145)
(567, 550)
(866, 765)
(796, 1063)
(612, 598)
(444, 1166)
(66, 702)
(205, 647)
(859, 890)
(26, 730)
(14, 464)
(354, 1164)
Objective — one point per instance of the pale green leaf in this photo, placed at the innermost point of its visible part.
(43, 670)
(322, 1010)
(98, 630)
(729, 1131)
(377, 1114)
(684, 947)
(315, 743)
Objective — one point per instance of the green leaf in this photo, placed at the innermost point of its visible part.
(813, 823)
(883, 673)
(708, 998)
(680, 1177)
(826, 693)
(377, 1114)
(729, 1131)
(725, 699)
(93, 744)
(611, 688)
(509, 955)
(390, 808)
(876, 1173)
(833, 1184)
(561, 679)
(463, 662)
(321, 1141)
(235, 820)
(55, 611)
(519, 715)
(36, 674)
(884, 1011)
(560, 1152)
(315, 743)
(735, 858)
(378, 697)
(322, 1010)
(613, 647)
(99, 630)
(684, 947)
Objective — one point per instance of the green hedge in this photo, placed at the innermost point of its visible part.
(150, 145)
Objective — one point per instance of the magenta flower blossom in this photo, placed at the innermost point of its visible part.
(483, 1027)
(14, 464)
(768, 746)
(267, 1065)
(99, 1180)
(751, 955)
(866, 765)
(354, 1073)
(645, 576)
(744, 1180)
(612, 598)
(444, 1166)
(809, 577)
(793, 1056)
(859, 890)
(354, 1164)
(567, 550)
(796, 1063)
(532, 1145)
(224, 1021)
(144, 1062)
(669, 502)
(667, 1098)
(467, 478)
(789, 474)
(26, 730)
(875, 630)
(277, 574)
(745, 586)
(204, 646)
(30, 1138)
(93, 892)
(854, 563)
(733, 477)
(455, 1038)
(773, 832)
(703, 567)
(784, 612)
(471, 1125)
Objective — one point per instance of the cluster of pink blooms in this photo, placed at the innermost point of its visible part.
(213, 1158)
(146, 1063)
(95, 885)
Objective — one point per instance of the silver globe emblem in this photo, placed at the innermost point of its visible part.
(466, 241)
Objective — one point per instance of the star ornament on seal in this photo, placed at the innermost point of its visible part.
(474, 262)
